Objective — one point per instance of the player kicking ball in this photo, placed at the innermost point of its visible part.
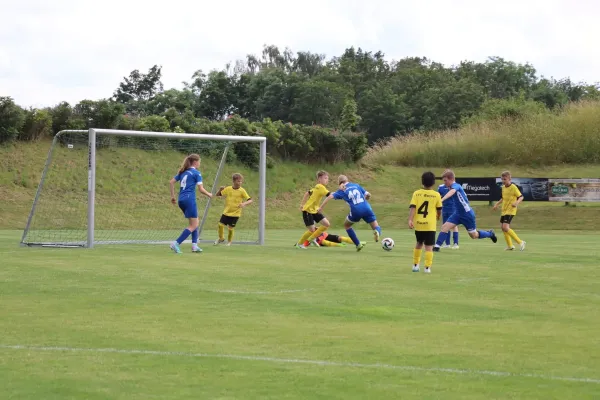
(425, 210)
(358, 200)
(463, 213)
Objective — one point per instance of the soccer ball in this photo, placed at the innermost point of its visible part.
(387, 244)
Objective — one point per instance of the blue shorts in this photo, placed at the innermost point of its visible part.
(367, 216)
(465, 219)
(446, 215)
(188, 206)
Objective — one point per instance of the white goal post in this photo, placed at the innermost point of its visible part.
(87, 235)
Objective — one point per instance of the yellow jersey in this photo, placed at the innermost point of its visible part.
(233, 198)
(314, 200)
(510, 194)
(427, 203)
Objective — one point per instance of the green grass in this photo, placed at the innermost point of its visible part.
(382, 331)
(571, 136)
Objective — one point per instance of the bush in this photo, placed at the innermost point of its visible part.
(12, 119)
(38, 124)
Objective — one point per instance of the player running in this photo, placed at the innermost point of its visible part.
(190, 178)
(236, 198)
(463, 213)
(511, 198)
(426, 206)
(447, 210)
(358, 200)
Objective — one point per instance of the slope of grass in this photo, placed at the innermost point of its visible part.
(571, 136)
(133, 191)
(138, 322)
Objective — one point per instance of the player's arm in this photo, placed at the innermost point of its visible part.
(411, 216)
(172, 187)
(304, 199)
(449, 194)
(329, 197)
(220, 192)
(203, 191)
(366, 194)
(498, 203)
(248, 200)
(518, 195)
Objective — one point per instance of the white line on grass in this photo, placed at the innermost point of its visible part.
(302, 361)
(255, 292)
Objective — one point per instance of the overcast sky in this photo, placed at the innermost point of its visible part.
(79, 49)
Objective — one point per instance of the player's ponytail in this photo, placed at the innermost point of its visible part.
(188, 161)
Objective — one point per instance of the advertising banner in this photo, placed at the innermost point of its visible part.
(479, 189)
(533, 189)
(573, 190)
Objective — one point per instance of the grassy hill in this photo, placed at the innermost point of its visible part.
(133, 190)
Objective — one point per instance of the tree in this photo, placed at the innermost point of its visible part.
(349, 119)
(38, 123)
(139, 86)
(12, 119)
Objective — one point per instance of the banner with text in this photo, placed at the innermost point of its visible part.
(574, 190)
(480, 189)
(533, 189)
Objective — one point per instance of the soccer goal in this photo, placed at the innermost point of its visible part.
(103, 186)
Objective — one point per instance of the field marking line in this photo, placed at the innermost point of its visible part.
(302, 361)
(255, 292)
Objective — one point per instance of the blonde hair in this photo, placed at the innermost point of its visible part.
(342, 179)
(506, 174)
(321, 173)
(188, 161)
(237, 176)
(448, 174)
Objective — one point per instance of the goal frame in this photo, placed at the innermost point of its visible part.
(93, 133)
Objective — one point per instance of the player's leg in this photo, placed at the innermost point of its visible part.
(231, 229)
(444, 219)
(417, 252)
(318, 218)
(190, 211)
(449, 225)
(468, 221)
(348, 226)
(327, 243)
(309, 222)
(512, 234)
(371, 219)
(505, 228)
(429, 241)
(455, 238)
(221, 230)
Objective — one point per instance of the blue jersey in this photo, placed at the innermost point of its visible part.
(460, 200)
(354, 195)
(448, 205)
(189, 180)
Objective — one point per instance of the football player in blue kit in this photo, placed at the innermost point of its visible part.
(447, 211)
(463, 213)
(358, 200)
(189, 178)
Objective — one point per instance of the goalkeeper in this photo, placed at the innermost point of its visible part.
(330, 240)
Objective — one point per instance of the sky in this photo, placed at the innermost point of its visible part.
(70, 50)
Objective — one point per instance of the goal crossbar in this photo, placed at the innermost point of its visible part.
(91, 192)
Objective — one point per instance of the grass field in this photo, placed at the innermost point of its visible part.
(274, 322)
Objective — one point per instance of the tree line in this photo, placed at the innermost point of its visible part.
(309, 107)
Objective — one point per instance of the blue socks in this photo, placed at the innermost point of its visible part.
(378, 229)
(454, 237)
(448, 240)
(184, 235)
(195, 236)
(484, 234)
(352, 235)
(442, 238)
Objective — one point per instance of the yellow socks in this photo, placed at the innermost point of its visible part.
(417, 256)
(428, 259)
(330, 244)
(345, 239)
(230, 235)
(304, 237)
(514, 236)
(509, 243)
(317, 233)
(221, 231)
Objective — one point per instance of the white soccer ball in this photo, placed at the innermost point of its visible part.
(387, 244)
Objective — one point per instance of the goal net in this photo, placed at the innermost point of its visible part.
(112, 187)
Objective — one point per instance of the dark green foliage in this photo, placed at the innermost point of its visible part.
(12, 119)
